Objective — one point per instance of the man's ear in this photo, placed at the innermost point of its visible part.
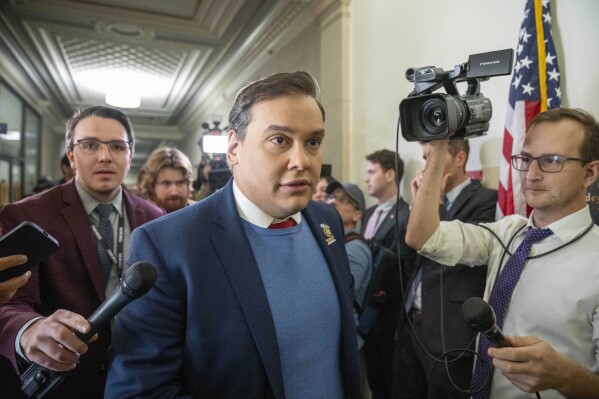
(232, 148)
(71, 156)
(390, 174)
(461, 159)
(591, 173)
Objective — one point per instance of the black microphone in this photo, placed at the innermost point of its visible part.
(481, 317)
(137, 280)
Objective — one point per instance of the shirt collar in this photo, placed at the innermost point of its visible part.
(452, 194)
(251, 213)
(90, 204)
(387, 205)
(568, 227)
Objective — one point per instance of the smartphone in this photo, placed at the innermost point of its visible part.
(26, 239)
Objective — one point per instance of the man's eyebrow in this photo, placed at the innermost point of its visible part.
(287, 129)
(278, 128)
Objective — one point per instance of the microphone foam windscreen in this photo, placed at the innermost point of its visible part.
(138, 279)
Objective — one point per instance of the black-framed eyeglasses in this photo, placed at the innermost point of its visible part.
(92, 146)
(550, 163)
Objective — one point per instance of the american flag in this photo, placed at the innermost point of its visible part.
(534, 88)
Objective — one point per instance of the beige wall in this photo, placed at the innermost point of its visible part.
(388, 36)
(359, 51)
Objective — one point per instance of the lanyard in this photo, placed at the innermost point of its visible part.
(118, 259)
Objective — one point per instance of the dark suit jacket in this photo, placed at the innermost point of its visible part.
(69, 279)
(205, 330)
(475, 204)
(386, 235)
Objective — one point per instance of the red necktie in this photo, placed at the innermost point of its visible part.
(283, 225)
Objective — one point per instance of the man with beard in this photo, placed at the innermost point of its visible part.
(166, 179)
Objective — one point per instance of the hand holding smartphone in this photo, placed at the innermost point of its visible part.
(26, 239)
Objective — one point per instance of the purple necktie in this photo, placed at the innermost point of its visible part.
(499, 301)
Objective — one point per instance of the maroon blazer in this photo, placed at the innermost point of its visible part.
(69, 279)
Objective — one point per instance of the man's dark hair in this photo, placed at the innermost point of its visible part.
(387, 159)
(298, 84)
(455, 146)
(102, 112)
(589, 148)
(65, 161)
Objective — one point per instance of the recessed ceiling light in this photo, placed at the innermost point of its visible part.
(123, 99)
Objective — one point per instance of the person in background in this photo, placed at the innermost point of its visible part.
(542, 270)
(39, 321)
(254, 292)
(43, 183)
(349, 201)
(384, 171)
(436, 293)
(67, 171)
(320, 192)
(166, 179)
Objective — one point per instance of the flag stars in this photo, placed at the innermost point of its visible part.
(525, 37)
(520, 48)
(550, 58)
(516, 81)
(558, 92)
(554, 75)
(545, 3)
(526, 62)
(527, 89)
(547, 18)
(517, 66)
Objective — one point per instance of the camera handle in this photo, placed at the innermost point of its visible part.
(38, 381)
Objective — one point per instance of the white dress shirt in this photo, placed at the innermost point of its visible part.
(557, 296)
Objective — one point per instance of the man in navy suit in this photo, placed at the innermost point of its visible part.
(380, 226)
(241, 310)
(434, 307)
(67, 287)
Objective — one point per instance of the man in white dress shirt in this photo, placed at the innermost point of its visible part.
(552, 321)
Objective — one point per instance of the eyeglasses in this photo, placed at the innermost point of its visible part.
(547, 163)
(342, 199)
(92, 146)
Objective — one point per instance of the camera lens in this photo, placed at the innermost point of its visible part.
(433, 116)
(438, 117)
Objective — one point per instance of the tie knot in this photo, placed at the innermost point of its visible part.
(533, 235)
(104, 210)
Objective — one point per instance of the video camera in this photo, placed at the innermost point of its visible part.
(425, 116)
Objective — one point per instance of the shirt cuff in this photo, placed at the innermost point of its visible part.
(18, 349)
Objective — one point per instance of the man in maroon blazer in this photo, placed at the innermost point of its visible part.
(37, 324)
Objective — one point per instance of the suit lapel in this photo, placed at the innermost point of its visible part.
(244, 276)
(78, 222)
(135, 215)
(387, 224)
(321, 238)
(461, 200)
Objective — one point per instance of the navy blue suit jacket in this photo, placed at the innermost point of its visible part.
(205, 330)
